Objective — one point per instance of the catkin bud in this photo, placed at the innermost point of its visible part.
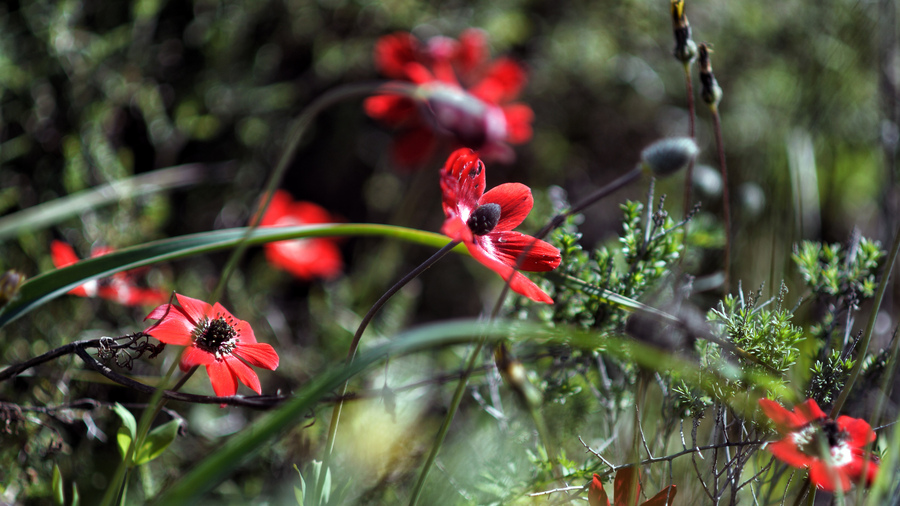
(667, 156)
(10, 281)
(710, 89)
(685, 48)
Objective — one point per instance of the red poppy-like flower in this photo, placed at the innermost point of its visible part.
(808, 430)
(462, 93)
(304, 258)
(627, 491)
(214, 338)
(484, 222)
(120, 287)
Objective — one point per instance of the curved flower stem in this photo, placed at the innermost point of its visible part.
(335, 96)
(445, 425)
(870, 328)
(463, 381)
(726, 200)
(558, 220)
(689, 174)
(354, 346)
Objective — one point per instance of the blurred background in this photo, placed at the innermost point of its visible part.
(92, 92)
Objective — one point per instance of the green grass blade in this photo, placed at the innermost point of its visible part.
(45, 287)
(57, 210)
(217, 466)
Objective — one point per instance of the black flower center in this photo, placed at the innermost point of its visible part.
(216, 336)
(484, 219)
(834, 433)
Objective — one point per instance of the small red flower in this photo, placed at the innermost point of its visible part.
(214, 338)
(304, 258)
(484, 222)
(807, 429)
(120, 287)
(627, 490)
(461, 94)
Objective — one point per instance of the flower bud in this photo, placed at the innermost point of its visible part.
(10, 281)
(667, 156)
(473, 122)
(685, 48)
(710, 89)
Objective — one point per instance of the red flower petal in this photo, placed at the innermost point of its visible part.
(244, 373)
(663, 498)
(194, 356)
(503, 82)
(828, 478)
(175, 328)
(518, 282)
(596, 495)
(860, 431)
(854, 470)
(394, 52)
(508, 246)
(518, 123)
(515, 202)
(785, 420)
(462, 183)
(627, 487)
(222, 378)
(63, 254)
(258, 354)
(195, 310)
(472, 51)
(279, 206)
(393, 110)
(809, 411)
(786, 451)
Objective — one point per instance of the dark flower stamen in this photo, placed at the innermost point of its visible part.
(217, 336)
(484, 219)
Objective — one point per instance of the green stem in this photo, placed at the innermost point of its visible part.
(335, 96)
(863, 347)
(354, 346)
(726, 201)
(445, 425)
(689, 174)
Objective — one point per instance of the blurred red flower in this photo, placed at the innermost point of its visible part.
(121, 287)
(462, 94)
(304, 258)
(808, 430)
(214, 338)
(484, 222)
(627, 491)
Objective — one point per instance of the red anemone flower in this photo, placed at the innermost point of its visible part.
(484, 222)
(627, 490)
(120, 287)
(808, 430)
(304, 258)
(214, 338)
(462, 94)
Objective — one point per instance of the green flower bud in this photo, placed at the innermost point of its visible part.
(667, 156)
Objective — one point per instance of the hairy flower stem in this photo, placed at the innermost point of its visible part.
(689, 174)
(299, 129)
(726, 200)
(863, 346)
(354, 345)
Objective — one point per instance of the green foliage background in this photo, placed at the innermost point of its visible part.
(92, 92)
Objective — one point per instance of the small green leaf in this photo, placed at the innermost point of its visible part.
(123, 440)
(126, 433)
(127, 419)
(157, 441)
(57, 486)
(75, 499)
